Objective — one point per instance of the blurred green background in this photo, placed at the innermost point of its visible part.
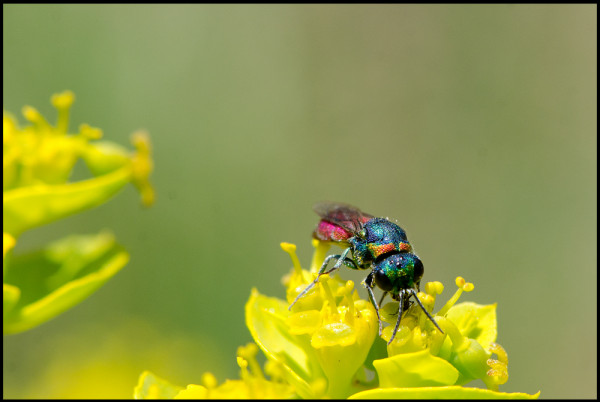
(473, 126)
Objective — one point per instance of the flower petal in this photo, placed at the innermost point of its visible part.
(8, 242)
(60, 276)
(417, 369)
(266, 320)
(11, 296)
(449, 392)
(193, 391)
(152, 387)
(27, 207)
(475, 321)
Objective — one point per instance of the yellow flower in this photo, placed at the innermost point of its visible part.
(328, 346)
(340, 326)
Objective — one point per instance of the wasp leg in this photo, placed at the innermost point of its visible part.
(414, 293)
(341, 259)
(346, 261)
(400, 311)
(368, 282)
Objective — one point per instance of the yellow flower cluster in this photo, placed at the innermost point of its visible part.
(327, 346)
(38, 160)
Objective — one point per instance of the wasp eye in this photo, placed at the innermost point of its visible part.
(383, 281)
(418, 269)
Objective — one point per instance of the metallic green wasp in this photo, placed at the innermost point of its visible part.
(371, 243)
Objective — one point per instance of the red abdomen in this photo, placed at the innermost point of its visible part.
(327, 231)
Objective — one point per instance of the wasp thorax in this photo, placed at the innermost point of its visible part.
(379, 230)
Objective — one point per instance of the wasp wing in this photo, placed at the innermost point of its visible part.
(348, 217)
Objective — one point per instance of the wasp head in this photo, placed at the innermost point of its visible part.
(398, 271)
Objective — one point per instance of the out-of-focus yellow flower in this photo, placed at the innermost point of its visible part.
(251, 385)
(38, 160)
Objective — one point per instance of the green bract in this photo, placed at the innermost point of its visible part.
(37, 162)
(327, 346)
